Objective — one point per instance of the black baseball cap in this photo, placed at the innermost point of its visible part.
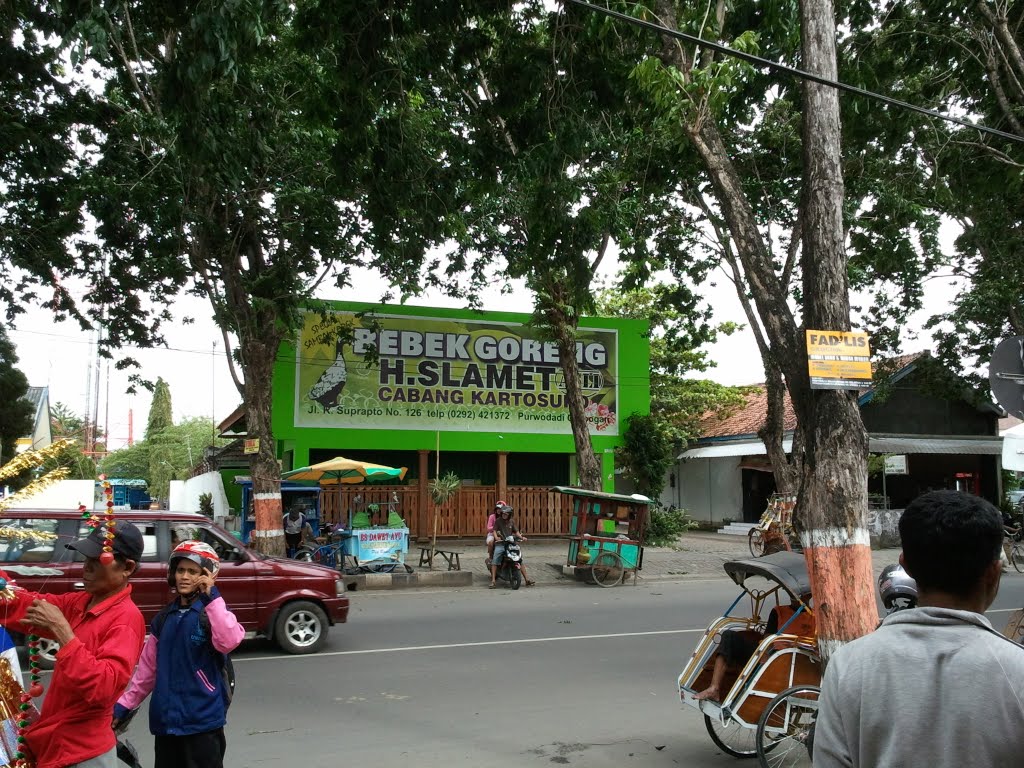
(127, 541)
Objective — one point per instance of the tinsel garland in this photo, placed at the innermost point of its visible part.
(32, 459)
(25, 534)
(36, 486)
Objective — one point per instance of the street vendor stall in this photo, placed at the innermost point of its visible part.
(300, 496)
(606, 534)
(363, 543)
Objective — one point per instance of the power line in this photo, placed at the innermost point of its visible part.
(786, 69)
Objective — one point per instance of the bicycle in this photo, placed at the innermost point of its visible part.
(1013, 537)
(774, 532)
(332, 554)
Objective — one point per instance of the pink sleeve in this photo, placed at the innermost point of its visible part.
(144, 678)
(226, 633)
(490, 524)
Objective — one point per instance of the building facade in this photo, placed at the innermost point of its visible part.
(935, 437)
(451, 390)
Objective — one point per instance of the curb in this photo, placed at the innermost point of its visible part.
(370, 581)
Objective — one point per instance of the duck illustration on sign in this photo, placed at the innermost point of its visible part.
(328, 388)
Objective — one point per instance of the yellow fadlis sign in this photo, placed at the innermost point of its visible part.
(838, 359)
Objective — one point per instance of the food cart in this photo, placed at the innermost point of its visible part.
(375, 538)
(606, 534)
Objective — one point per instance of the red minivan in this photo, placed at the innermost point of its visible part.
(290, 602)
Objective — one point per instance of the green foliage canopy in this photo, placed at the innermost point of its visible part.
(16, 413)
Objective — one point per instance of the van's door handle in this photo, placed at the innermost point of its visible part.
(80, 586)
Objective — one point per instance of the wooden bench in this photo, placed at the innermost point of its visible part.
(450, 556)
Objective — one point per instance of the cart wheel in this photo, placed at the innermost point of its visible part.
(607, 569)
(785, 732)
(731, 737)
(755, 538)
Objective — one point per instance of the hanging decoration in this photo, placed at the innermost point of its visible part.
(32, 459)
(36, 486)
(7, 533)
(26, 710)
(107, 556)
(16, 706)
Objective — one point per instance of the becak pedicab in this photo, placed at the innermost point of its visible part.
(765, 705)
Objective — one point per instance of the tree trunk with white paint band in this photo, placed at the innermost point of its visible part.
(832, 499)
(832, 518)
(259, 355)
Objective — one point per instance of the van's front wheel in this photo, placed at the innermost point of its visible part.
(301, 627)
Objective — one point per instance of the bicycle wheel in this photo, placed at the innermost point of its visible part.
(785, 732)
(755, 540)
(1017, 557)
(607, 569)
(307, 555)
(731, 737)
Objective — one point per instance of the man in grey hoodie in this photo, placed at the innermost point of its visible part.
(935, 685)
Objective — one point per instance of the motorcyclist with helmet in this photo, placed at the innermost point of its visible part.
(183, 665)
(504, 527)
(491, 519)
(897, 589)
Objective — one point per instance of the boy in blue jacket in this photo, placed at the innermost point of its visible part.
(183, 664)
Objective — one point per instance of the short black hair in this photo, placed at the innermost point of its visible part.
(949, 538)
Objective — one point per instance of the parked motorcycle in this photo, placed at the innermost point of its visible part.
(511, 565)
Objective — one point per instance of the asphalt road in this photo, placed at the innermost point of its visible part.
(573, 675)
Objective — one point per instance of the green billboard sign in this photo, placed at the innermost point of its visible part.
(406, 372)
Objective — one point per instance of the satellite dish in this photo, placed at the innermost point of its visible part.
(1006, 375)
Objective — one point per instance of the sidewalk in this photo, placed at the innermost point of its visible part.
(698, 555)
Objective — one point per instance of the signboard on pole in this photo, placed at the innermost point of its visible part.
(838, 359)
(896, 465)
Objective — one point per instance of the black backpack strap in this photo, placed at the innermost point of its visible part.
(157, 625)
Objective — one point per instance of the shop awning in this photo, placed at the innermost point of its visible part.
(974, 446)
(982, 445)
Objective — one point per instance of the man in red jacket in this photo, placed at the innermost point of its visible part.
(101, 633)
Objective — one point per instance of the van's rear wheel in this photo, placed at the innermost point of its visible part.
(301, 627)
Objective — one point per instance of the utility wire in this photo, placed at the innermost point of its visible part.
(798, 73)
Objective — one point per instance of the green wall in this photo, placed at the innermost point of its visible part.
(632, 373)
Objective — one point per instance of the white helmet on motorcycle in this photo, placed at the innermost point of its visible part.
(896, 588)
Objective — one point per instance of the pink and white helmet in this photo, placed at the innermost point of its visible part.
(198, 552)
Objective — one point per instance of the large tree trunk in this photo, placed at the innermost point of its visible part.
(258, 356)
(832, 507)
(832, 499)
(588, 466)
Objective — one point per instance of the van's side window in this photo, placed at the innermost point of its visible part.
(224, 549)
(24, 547)
(150, 554)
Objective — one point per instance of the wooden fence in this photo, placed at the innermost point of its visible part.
(538, 511)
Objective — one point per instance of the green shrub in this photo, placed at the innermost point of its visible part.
(667, 524)
(206, 504)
